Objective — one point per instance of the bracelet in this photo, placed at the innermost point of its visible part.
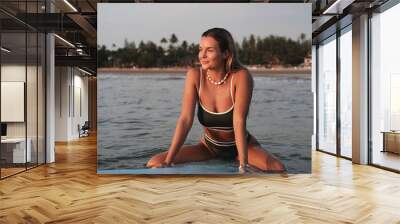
(245, 166)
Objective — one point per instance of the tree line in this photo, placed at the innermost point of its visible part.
(266, 52)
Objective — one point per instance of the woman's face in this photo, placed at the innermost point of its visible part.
(210, 55)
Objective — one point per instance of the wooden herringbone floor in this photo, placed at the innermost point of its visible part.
(70, 191)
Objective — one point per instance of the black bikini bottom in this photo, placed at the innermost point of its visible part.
(222, 151)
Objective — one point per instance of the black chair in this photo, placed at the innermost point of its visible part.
(84, 130)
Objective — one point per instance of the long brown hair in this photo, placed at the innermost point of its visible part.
(226, 44)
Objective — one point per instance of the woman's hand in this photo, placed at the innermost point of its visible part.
(163, 165)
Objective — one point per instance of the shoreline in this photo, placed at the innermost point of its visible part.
(306, 72)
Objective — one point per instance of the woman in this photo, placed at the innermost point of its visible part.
(223, 89)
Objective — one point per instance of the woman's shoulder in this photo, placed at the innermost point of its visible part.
(242, 74)
(193, 70)
(193, 74)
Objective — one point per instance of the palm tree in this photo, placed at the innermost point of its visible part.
(173, 39)
(184, 45)
(113, 54)
(164, 42)
(302, 37)
(172, 51)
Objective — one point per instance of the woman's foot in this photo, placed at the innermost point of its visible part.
(276, 166)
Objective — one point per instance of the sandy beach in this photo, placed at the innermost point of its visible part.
(302, 72)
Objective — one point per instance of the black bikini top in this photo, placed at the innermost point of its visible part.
(212, 120)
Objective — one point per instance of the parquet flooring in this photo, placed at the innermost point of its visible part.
(70, 191)
(10, 171)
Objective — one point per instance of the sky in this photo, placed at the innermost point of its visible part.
(153, 21)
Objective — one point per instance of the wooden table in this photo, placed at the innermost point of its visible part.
(14, 150)
(391, 141)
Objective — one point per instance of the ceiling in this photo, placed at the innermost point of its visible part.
(330, 15)
(76, 21)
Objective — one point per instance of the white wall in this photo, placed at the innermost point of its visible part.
(81, 82)
(33, 126)
(62, 80)
(12, 101)
(12, 73)
(70, 83)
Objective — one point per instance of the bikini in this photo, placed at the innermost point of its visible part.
(222, 121)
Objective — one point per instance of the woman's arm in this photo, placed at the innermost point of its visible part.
(185, 120)
(243, 93)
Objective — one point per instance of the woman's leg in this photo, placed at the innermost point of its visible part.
(189, 153)
(261, 158)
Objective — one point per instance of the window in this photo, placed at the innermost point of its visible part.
(327, 95)
(346, 92)
(385, 88)
(22, 68)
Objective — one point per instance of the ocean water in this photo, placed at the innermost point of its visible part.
(137, 115)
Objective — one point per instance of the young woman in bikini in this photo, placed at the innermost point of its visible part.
(222, 88)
